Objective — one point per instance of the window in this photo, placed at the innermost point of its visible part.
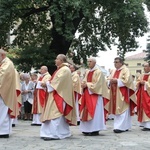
(138, 64)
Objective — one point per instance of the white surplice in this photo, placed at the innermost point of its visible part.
(98, 122)
(56, 128)
(36, 119)
(122, 121)
(5, 120)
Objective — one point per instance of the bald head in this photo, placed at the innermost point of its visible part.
(61, 58)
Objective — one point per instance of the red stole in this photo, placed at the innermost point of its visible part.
(18, 92)
(88, 101)
(60, 101)
(41, 94)
(124, 91)
(143, 101)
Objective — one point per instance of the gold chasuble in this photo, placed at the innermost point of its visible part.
(18, 89)
(121, 98)
(143, 99)
(8, 87)
(55, 107)
(76, 85)
(96, 83)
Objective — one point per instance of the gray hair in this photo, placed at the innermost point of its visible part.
(92, 58)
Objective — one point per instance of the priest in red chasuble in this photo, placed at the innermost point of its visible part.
(143, 98)
(94, 101)
(40, 94)
(122, 96)
(59, 111)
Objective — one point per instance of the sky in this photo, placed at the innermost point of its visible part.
(106, 58)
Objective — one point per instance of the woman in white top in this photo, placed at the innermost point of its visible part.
(27, 89)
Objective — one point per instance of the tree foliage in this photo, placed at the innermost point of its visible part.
(147, 2)
(45, 28)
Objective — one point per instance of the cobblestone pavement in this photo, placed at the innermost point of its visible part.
(26, 137)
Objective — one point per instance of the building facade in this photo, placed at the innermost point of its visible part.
(135, 63)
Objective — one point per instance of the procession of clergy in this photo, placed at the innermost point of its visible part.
(62, 99)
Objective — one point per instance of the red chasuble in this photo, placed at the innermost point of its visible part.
(88, 101)
(143, 101)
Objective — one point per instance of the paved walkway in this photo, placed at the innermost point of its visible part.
(26, 137)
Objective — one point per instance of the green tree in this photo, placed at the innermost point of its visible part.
(147, 2)
(148, 49)
(45, 28)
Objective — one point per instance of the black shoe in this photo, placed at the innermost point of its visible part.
(145, 129)
(34, 124)
(49, 139)
(78, 122)
(119, 131)
(4, 136)
(13, 125)
(95, 133)
(109, 119)
(86, 133)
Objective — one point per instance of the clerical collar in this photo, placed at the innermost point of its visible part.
(94, 68)
(42, 75)
(63, 64)
(148, 73)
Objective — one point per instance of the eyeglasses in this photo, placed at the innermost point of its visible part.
(116, 62)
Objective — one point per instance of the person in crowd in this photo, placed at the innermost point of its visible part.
(27, 90)
(21, 78)
(8, 100)
(40, 94)
(143, 98)
(59, 111)
(34, 78)
(21, 116)
(94, 101)
(77, 89)
(122, 96)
